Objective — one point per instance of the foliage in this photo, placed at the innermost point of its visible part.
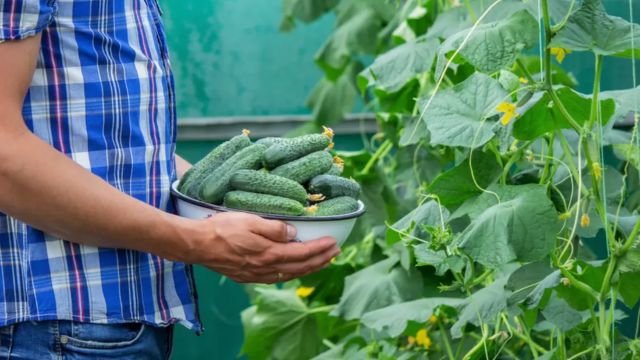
(485, 182)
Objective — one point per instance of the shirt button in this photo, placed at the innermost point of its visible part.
(64, 339)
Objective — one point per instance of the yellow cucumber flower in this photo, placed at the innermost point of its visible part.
(523, 80)
(509, 111)
(597, 170)
(433, 319)
(423, 339)
(304, 292)
(585, 220)
(560, 53)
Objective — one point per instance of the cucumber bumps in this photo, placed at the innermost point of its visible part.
(332, 186)
(214, 187)
(338, 206)
(262, 203)
(291, 149)
(305, 168)
(203, 168)
(265, 183)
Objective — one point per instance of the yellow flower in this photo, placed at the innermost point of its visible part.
(560, 53)
(564, 216)
(411, 340)
(423, 339)
(597, 170)
(509, 111)
(433, 319)
(523, 80)
(304, 292)
(585, 220)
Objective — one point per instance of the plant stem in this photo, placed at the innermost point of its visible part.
(546, 19)
(579, 284)
(382, 151)
(549, 158)
(596, 93)
(472, 13)
(445, 338)
(525, 71)
(514, 157)
(583, 352)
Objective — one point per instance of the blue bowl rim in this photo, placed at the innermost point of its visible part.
(177, 194)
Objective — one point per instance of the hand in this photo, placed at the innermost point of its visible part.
(250, 249)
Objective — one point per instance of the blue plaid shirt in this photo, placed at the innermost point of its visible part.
(103, 95)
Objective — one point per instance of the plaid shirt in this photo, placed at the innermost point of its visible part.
(102, 94)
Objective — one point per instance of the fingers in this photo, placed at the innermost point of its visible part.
(273, 230)
(302, 268)
(300, 252)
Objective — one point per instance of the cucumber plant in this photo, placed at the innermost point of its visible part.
(488, 187)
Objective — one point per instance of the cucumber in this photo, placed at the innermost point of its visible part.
(338, 206)
(214, 187)
(270, 141)
(185, 178)
(212, 161)
(295, 148)
(332, 186)
(262, 203)
(305, 168)
(265, 183)
(335, 170)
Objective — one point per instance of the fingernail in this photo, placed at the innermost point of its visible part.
(291, 232)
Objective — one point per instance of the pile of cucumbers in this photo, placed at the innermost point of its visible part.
(282, 176)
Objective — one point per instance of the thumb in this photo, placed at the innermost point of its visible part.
(274, 230)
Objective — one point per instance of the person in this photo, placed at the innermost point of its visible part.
(93, 262)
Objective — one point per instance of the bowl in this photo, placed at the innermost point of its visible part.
(309, 227)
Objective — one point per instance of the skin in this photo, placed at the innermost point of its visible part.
(46, 189)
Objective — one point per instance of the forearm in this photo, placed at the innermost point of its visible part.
(182, 165)
(49, 191)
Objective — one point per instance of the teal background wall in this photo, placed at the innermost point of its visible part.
(230, 59)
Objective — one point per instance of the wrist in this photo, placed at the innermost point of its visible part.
(180, 237)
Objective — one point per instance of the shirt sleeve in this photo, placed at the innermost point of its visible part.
(23, 18)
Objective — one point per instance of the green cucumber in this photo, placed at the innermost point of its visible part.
(337, 206)
(262, 203)
(335, 170)
(332, 186)
(295, 148)
(212, 161)
(214, 187)
(305, 168)
(265, 183)
(270, 141)
(185, 177)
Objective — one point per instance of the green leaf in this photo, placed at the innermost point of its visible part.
(357, 25)
(526, 280)
(492, 46)
(438, 259)
(303, 10)
(377, 286)
(630, 262)
(590, 28)
(561, 315)
(482, 307)
(542, 288)
(629, 289)
(458, 116)
(455, 186)
(414, 131)
(627, 101)
(521, 226)
(330, 100)
(393, 69)
(628, 152)
(544, 116)
(394, 319)
(509, 81)
(279, 326)
(590, 273)
(427, 214)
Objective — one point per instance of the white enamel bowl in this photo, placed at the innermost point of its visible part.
(309, 227)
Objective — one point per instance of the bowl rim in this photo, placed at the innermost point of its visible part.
(177, 194)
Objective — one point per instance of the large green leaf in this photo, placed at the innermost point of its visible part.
(629, 289)
(438, 259)
(628, 152)
(492, 46)
(377, 286)
(561, 315)
(427, 214)
(526, 280)
(330, 100)
(455, 186)
(521, 226)
(393, 69)
(357, 25)
(279, 326)
(590, 28)
(303, 10)
(482, 307)
(458, 116)
(394, 319)
(544, 117)
(626, 101)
